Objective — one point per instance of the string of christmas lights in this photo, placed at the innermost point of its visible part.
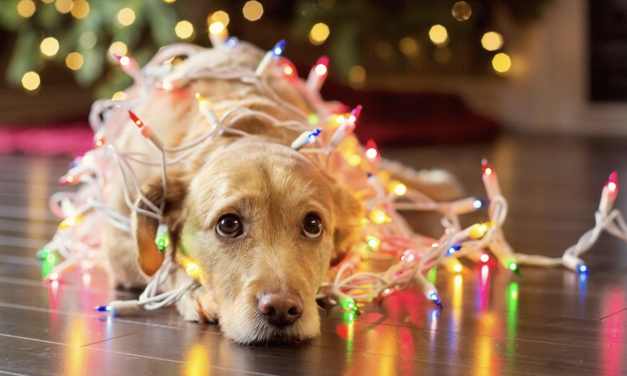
(326, 133)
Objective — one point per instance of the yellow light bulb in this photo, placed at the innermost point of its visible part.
(216, 28)
(69, 222)
(191, 269)
(354, 160)
(400, 189)
(184, 29)
(339, 119)
(379, 217)
(119, 96)
(457, 268)
(30, 81)
(202, 100)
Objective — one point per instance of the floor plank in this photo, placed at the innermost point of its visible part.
(549, 321)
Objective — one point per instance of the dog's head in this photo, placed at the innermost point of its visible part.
(263, 224)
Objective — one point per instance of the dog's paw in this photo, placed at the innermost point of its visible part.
(197, 305)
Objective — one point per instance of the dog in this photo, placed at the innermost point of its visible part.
(262, 222)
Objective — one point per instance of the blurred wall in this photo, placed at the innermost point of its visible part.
(547, 90)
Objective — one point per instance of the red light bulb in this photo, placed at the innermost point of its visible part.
(321, 66)
(612, 183)
(135, 119)
(487, 169)
(371, 150)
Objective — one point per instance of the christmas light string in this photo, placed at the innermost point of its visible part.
(384, 234)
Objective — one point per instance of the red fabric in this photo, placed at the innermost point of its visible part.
(408, 119)
(49, 140)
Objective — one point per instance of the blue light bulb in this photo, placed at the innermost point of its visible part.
(103, 308)
(581, 268)
(231, 42)
(278, 48)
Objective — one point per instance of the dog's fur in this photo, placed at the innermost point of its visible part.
(268, 185)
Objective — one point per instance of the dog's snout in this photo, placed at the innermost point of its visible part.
(281, 309)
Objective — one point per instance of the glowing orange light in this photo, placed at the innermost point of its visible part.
(378, 216)
(191, 269)
(400, 190)
(457, 268)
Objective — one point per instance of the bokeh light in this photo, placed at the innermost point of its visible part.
(438, 35)
(30, 81)
(408, 46)
(126, 16)
(319, 33)
(216, 28)
(80, 9)
(118, 48)
(26, 8)
(219, 16)
(88, 39)
(461, 11)
(49, 46)
(74, 61)
(357, 76)
(253, 10)
(184, 29)
(63, 6)
(502, 63)
(492, 41)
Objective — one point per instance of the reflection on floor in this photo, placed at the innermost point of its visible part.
(549, 321)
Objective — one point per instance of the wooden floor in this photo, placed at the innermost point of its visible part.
(547, 322)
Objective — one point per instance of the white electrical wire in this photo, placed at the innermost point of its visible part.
(393, 237)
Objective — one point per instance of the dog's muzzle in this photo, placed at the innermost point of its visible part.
(280, 309)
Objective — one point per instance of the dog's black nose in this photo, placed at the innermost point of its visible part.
(281, 308)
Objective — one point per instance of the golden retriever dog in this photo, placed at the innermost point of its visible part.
(262, 221)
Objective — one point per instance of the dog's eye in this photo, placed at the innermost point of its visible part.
(229, 226)
(312, 226)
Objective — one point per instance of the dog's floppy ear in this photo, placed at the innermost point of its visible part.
(348, 212)
(145, 228)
